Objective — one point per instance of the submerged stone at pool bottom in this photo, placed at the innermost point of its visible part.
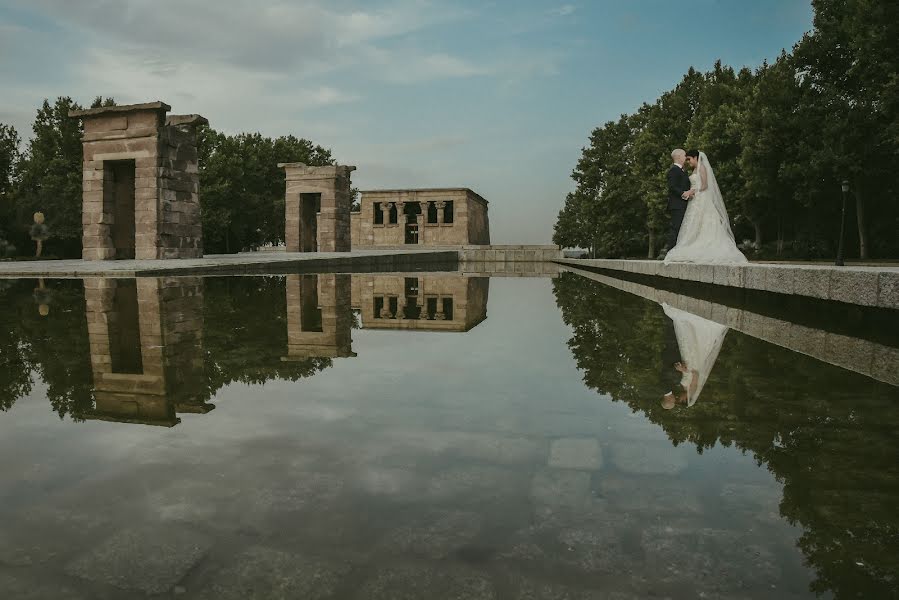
(350, 458)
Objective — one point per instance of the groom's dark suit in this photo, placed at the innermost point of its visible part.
(678, 183)
(670, 376)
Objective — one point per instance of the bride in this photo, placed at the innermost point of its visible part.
(705, 235)
(699, 342)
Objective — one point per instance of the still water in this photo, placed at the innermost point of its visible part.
(427, 436)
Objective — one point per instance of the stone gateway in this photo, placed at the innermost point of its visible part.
(140, 194)
(317, 205)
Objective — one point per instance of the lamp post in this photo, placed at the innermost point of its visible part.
(845, 189)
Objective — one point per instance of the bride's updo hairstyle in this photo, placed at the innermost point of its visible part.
(693, 154)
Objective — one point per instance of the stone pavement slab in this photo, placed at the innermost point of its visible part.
(575, 453)
(260, 572)
(147, 559)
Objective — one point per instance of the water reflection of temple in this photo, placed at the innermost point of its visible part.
(146, 344)
(421, 302)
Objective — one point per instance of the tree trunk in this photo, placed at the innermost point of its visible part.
(758, 233)
(780, 235)
(862, 230)
(652, 244)
(40, 248)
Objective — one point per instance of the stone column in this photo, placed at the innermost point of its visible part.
(400, 216)
(440, 206)
(422, 222)
(385, 308)
(385, 212)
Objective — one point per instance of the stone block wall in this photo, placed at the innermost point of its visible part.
(180, 227)
(332, 220)
(478, 221)
(162, 153)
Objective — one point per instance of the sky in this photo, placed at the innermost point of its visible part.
(496, 96)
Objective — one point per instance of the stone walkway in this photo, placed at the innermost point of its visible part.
(867, 286)
(522, 261)
(234, 264)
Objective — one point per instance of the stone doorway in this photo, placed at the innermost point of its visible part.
(310, 206)
(410, 226)
(118, 201)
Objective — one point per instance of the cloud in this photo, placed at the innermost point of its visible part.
(407, 67)
(227, 94)
(564, 10)
(310, 36)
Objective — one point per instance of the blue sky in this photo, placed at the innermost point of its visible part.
(496, 96)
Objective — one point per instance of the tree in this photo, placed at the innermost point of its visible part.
(49, 178)
(9, 158)
(850, 63)
(242, 188)
(100, 101)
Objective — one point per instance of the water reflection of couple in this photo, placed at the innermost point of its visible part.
(691, 349)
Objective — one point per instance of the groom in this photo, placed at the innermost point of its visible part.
(679, 193)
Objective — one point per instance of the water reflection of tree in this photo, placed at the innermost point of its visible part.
(244, 338)
(53, 348)
(827, 434)
(245, 333)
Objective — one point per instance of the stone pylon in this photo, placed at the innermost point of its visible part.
(317, 205)
(140, 183)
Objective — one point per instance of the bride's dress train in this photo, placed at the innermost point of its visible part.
(705, 235)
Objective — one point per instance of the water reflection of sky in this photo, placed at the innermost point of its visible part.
(471, 460)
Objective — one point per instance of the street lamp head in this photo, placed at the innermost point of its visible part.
(845, 186)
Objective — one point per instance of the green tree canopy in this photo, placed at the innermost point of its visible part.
(782, 138)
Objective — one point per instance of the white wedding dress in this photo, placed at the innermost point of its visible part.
(705, 235)
(699, 341)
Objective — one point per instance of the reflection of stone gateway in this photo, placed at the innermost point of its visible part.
(140, 183)
(146, 345)
(319, 317)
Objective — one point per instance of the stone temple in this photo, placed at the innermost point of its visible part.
(425, 217)
(140, 183)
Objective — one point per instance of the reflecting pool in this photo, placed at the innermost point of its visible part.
(436, 436)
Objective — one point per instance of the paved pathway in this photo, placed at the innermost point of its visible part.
(867, 286)
(224, 264)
